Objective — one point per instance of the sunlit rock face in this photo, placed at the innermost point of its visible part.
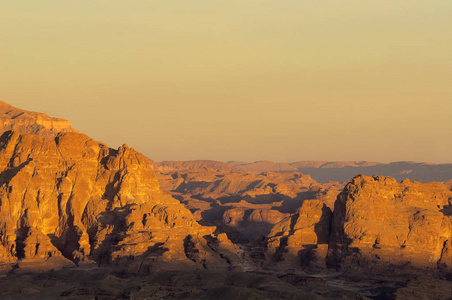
(302, 239)
(27, 122)
(378, 220)
(448, 184)
(78, 201)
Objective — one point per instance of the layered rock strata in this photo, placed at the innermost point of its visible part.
(376, 222)
(28, 122)
(302, 239)
(77, 200)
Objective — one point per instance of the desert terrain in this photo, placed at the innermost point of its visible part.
(81, 220)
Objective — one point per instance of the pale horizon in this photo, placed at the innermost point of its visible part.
(246, 81)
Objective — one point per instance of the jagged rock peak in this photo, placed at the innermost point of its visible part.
(76, 200)
(27, 122)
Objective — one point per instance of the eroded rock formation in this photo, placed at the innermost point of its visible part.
(79, 201)
(448, 184)
(248, 203)
(378, 221)
(28, 122)
(302, 239)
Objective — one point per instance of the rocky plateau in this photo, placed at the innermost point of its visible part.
(28, 122)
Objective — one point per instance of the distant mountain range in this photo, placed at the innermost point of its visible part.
(323, 171)
(169, 166)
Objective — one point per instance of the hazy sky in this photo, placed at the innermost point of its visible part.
(238, 80)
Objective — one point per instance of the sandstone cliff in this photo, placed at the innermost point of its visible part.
(302, 239)
(27, 122)
(76, 200)
(378, 220)
(448, 184)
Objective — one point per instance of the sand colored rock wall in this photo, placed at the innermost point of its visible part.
(27, 122)
(378, 219)
(77, 199)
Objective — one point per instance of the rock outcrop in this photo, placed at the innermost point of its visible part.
(252, 222)
(79, 201)
(380, 221)
(27, 122)
(302, 239)
(377, 222)
(448, 184)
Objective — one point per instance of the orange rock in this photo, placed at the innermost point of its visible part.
(77, 199)
(27, 122)
(448, 184)
(377, 220)
(250, 204)
(302, 238)
(252, 223)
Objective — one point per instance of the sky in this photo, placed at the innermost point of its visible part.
(238, 80)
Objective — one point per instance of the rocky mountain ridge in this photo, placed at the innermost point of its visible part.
(74, 200)
(28, 122)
